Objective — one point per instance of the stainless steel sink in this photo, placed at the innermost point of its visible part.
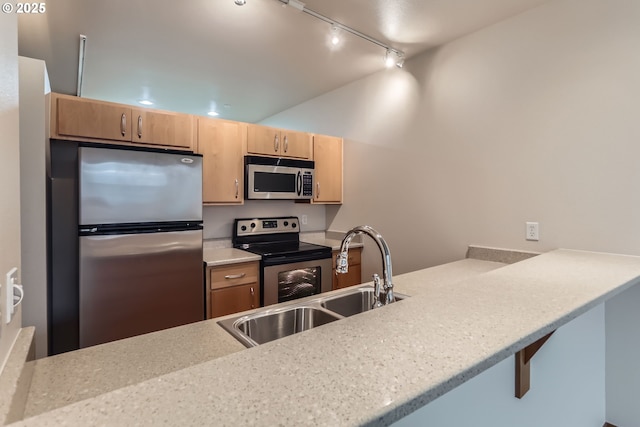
(273, 323)
(353, 302)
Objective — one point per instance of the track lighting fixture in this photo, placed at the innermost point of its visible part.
(335, 36)
(392, 56)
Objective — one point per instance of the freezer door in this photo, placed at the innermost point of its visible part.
(132, 186)
(138, 283)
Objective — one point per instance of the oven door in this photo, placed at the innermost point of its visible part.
(286, 282)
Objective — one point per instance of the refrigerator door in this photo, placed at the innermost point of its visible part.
(132, 284)
(133, 186)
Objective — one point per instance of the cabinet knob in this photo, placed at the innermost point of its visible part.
(237, 188)
(317, 189)
(276, 143)
(286, 143)
(253, 293)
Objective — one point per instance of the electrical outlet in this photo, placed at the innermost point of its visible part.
(532, 231)
(303, 219)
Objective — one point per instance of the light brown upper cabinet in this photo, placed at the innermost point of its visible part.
(162, 128)
(278, 142)
(221, 144)
(78, 117)
(327, 154)
(87, 119)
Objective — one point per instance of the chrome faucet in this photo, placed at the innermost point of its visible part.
(342, 264)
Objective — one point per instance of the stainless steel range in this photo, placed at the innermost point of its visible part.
(290, 269)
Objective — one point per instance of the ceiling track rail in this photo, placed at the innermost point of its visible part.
(302, 8)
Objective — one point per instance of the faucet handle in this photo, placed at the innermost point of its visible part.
(376, 292)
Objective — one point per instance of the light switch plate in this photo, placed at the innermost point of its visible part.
(12, 279)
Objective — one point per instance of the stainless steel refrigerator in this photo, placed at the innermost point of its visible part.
(139, 250)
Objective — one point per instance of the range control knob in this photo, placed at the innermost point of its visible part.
(243, 228)
(286, 223)
(293, 224)
(253, 225)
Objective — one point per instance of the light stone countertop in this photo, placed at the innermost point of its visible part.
(84, 374)
(77, 375)
(221, 256)
(461, 319)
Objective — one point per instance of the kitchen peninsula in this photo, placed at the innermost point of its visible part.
(375, 368)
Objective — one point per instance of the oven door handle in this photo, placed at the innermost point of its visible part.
(290, 259)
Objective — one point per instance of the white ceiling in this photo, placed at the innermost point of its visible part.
(258, 59)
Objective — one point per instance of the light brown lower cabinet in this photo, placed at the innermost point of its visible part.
(354, 275)
(234, 299)
(232, 288)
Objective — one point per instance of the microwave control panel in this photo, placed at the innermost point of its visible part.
(307, 184)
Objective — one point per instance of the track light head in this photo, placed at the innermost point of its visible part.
(393, 57)
(335, 36)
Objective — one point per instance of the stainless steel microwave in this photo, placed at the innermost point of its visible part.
(277, 178)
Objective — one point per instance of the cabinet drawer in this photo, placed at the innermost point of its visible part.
(234, 274)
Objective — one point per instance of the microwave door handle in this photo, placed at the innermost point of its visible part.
(299, 183)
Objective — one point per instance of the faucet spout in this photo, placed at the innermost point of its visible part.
(342, 264)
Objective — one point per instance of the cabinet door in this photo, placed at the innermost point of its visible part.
(220, 143)
(263, 140)
(296, 144)
(234, 299)
(327, 154)
(162, 128)
(351, 278)
(77, 117)
(354, 275)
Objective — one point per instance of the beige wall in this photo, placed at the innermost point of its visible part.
(532, 119)
(9, 172)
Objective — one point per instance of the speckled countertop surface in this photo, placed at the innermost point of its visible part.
(82, 374)
(221, 256)
(461, 319)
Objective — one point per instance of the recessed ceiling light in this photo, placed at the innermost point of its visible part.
(240, 2)
(213, 113)
(145, 102)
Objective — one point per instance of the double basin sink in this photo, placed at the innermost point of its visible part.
(271, 324)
